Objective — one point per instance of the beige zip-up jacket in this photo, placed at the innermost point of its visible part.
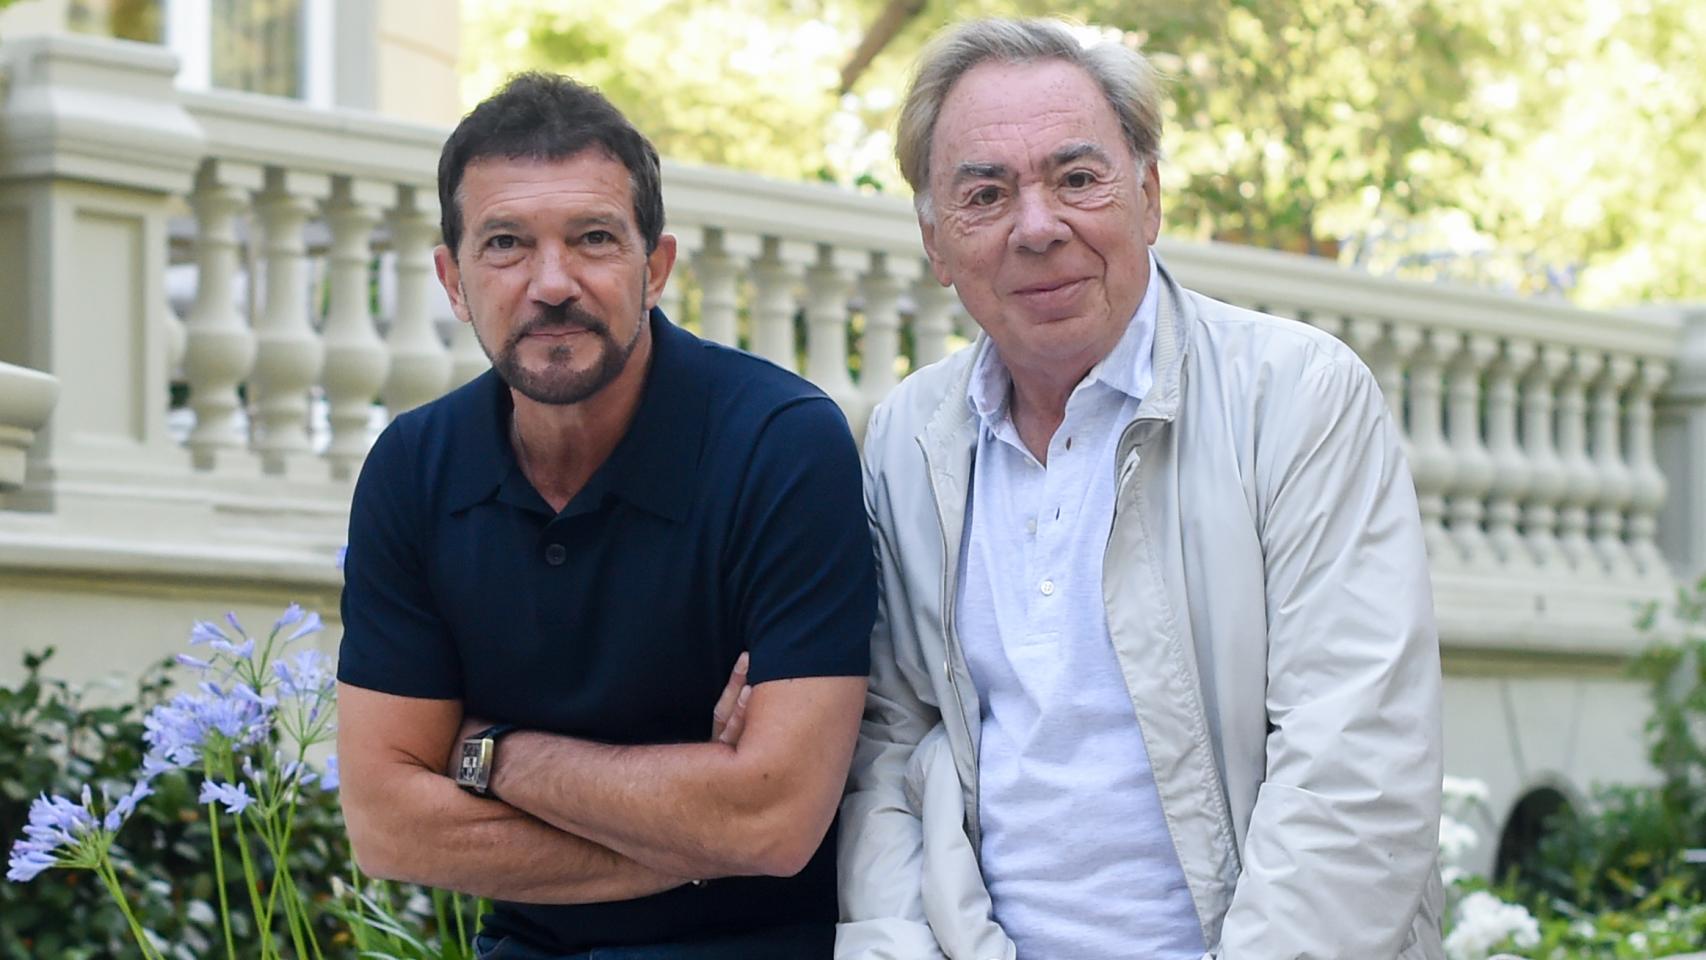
(1267, 594)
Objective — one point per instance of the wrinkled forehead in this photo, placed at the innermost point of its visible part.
(1022, 113)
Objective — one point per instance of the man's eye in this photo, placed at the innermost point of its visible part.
(985, 197)
(502, 241)
(1079, 179)
(598, 238)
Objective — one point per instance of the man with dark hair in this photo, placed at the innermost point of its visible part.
(562, 576)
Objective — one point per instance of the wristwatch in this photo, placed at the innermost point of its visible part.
(478, 752)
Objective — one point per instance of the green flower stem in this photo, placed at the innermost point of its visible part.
(219, 881)
(263, 915)
(293, 919)
(104, 869)
(461, 929)
(293, 897)
(284, 845)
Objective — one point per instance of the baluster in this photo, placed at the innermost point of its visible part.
(1472, 469)
(1581, 479)
(673, 301)
(1547, 478)
(219, 348)
(467, 358)
(1511, 474)
(932, 319)
(1384, 349)
(1616, 487)
(828, 284)
(356, 360)
(176, 336)
(1648, 494)
(719, 266)
(774, 278)
(420, 364)
(961, 322)
(1431, 461)
(288, 354)
(881, 289)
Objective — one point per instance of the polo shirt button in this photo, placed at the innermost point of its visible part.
(1047, 587)
(555, 554)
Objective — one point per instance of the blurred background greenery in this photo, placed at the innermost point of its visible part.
(1541, 146)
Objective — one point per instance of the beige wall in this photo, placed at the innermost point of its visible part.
(418, 43)
(406, 68)
(34, 16)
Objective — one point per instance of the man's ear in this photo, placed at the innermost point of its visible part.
(1151, 187)
(938, 267)
(450, 277)
(658, 265)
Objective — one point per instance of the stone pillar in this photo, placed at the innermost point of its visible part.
(94, 146)
(26, 400)
(1681, 453)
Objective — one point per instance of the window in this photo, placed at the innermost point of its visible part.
(143, 20)
(282, 48)
(257, 46)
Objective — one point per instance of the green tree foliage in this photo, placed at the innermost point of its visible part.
(1528, 144)
(749, 84)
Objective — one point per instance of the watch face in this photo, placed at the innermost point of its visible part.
(476, 766)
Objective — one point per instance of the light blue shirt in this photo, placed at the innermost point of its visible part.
(1076, 852)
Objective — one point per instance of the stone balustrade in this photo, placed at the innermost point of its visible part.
(1530, 426)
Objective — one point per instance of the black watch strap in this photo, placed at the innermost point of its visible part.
(494, 732)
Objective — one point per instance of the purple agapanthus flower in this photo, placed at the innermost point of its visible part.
(329, 779)
(177, 730)
(310, 624)
(67, 833)
(291, 614)
(234, 797)
(204, 632)
(308, 675)
(126, 805)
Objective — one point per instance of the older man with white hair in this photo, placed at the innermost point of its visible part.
(1155, 673)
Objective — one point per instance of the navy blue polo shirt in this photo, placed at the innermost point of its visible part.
(729, 518)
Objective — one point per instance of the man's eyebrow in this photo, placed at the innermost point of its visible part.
(596, 220)
(578, 223)
(498, 223)
(1078, 151)
(972, 170)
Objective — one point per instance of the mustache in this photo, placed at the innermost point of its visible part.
(558, 317)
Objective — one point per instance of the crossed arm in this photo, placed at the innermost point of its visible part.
(583, 822)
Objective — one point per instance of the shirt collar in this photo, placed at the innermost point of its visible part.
(1128, 367)
(653, 466)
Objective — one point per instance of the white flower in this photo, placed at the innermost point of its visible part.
(1637, 941)
(1465, 790)
(1456, 838)
(1484, 922)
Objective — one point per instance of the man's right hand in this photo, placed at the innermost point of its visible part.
(728, 717)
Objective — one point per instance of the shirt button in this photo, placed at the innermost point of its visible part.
(1031, 525)
(555, 554)
(1047, 587)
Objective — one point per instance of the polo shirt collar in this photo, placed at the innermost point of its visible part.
(654, 466)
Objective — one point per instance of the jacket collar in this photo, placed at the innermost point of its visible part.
(954, 423)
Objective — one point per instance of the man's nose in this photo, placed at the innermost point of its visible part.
(1039, 225)
(554, 279)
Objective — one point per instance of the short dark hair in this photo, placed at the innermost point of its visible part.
(542, 116)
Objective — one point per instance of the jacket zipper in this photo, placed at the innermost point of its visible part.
(951, 646)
